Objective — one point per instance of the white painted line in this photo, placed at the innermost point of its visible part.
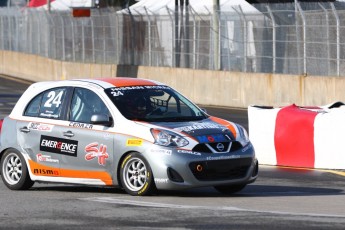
(112, 200)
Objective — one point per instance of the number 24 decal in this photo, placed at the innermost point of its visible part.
(53, 99)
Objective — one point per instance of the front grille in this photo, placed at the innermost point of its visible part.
(220, 169)
(212, 147)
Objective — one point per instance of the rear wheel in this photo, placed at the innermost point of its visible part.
(14, 171)
(230, 189)
(136, 175)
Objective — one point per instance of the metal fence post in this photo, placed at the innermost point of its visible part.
(73, 41)
(304, 38)
(16, 33)
(83, 41)
(338, 37)
(245, 37)
(173, 64)
(149, 36)
(10, 33)
(194, 40)
(274, 42)
(2, 33)
(216, 36)
(117, 39)
(104, 40)
(92, 39)
(38, 33)
(48, 43)
(63, 39)
(327, 37)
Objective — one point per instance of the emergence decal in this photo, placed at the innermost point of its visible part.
(59, 145)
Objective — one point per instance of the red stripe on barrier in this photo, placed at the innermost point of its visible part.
(38, 3)
(294, 137)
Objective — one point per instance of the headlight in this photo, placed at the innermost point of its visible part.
(244, 137)
(168, 139)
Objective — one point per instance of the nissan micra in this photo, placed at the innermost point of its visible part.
(137, 134)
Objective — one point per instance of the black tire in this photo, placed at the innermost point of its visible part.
(136, 175)
(230, 189)
(14, 171)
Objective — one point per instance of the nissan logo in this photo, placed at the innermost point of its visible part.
(220, 147)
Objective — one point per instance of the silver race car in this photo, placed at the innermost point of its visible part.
(138, 134)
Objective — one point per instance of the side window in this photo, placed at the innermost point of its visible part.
(33, 107)
(86, 103)
(51, 104)
(47, 104)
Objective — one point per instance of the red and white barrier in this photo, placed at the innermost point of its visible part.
(296, 136)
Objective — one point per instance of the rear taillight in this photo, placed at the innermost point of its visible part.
(1, 124)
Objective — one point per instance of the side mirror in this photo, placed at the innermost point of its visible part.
(101, 119)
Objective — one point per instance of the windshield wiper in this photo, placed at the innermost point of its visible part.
(174, 119)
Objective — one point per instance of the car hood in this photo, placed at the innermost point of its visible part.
(206, 130)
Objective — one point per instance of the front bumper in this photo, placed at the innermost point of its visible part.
(182, 169)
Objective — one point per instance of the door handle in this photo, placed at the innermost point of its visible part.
(24, 129)
(68, 134)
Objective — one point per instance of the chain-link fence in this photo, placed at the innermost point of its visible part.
(302, 38)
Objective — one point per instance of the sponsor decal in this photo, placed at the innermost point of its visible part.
(145, 186)
(47, 114)
(80, 125)
(59, 145)
(212, 138)
(93, 151)
(163, 151)
(45, 158)
(143, 189)
(125, 160)
(161, 180)
(246, 148)
(46, 172)
(134, 142)
(116, 92)
(206, 125)
(40, 127)
(189, 152)
(223, 157)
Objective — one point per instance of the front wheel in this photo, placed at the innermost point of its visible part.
(14, 171)
(136, 175)
(230, 189)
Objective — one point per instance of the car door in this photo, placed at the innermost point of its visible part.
(38, 132)
(93, 161)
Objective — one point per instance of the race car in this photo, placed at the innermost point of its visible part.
(137, 134)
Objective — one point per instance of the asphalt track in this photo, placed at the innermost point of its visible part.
(282, 198)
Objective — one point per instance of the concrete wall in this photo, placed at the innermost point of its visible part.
(220, 88)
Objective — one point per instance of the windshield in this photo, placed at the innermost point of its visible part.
(153, 103)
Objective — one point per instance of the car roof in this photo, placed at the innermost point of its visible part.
(120, 82)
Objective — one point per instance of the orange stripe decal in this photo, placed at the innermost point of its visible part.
(227, 124)
(42, 170)
(127, 81)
